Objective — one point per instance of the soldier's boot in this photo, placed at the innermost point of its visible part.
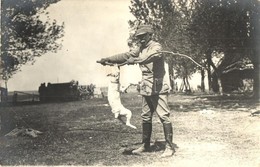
(147, 131)
(169, 149)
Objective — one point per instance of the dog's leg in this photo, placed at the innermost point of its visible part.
(128, 115)
(116, 114)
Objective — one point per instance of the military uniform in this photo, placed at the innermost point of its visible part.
(154, 87)
(155, 84)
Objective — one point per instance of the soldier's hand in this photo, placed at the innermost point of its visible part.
(103, 61)
(131, 60)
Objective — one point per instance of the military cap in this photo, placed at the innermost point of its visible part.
(143, 29)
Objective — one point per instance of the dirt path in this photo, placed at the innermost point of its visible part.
(220, 139)
(220, 135)
(228, 139)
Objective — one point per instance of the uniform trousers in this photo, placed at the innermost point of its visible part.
(158, 104)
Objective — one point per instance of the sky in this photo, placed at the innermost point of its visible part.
(93, 29)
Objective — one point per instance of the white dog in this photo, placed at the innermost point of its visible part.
(114, 97)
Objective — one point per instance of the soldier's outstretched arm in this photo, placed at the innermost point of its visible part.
(120, 58)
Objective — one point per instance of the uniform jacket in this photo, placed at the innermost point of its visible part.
(155, 76)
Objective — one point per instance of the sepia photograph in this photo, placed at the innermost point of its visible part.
(171, 83)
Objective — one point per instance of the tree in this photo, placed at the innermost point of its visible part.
(228, 26)
(24, 35)
(202, 28)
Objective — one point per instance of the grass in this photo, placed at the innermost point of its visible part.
(86, 133)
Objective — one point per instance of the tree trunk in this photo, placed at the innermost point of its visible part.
(214, 85)
(184, 84)
(188, 85)
(202, 85)
(181, 86)
(209, 77)
(171, 73)
(220, 85)
(256, 85)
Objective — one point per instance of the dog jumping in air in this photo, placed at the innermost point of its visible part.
(114, 97)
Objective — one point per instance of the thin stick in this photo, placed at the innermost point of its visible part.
(183, 55)
(172, 53)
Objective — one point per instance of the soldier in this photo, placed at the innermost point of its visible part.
(154, 87)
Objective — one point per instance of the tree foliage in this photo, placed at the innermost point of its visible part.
(24, 35)
(202, 28)
(226, 26)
